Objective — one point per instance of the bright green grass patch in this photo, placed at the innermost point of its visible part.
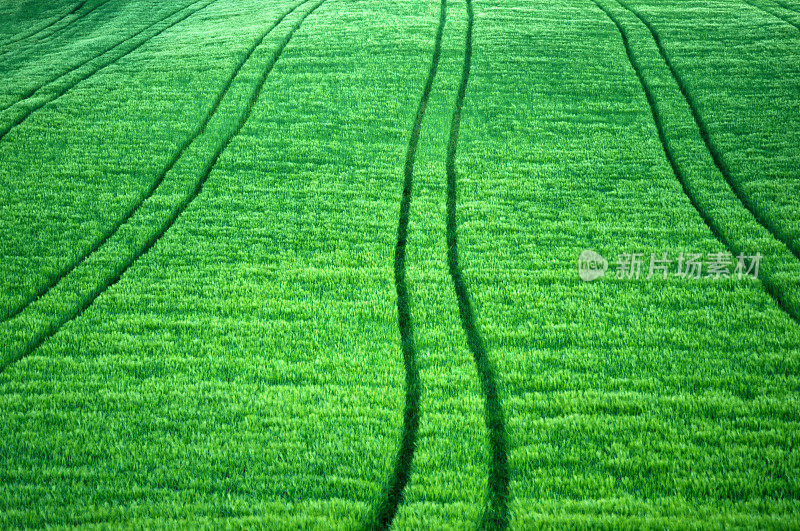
(645, 403)
(107, 139)
(748, 92)
(448, 485)
(252, 356)
(239, 361)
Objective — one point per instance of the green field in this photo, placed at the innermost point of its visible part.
(315, 263)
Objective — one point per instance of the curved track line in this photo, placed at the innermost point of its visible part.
(388, 508)
(76, 19)
(769, 287)
(55, 78)
(496, 514)
(48, 26)
(45, 289)
(773, 14)
(16, 122)
(787, 6)
(121, 269)
(716, 156)
(68, 24)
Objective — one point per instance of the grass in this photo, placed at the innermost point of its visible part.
(387, 510)
(496, 515)
(43, 29)
(311, 264)
(614, 391)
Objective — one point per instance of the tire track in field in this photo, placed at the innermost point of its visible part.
(33, 91)
(68, 24)
(52, 328)
(388, 508)
(82, 77)
(787, 6)
(76, 19)
(716, 156)
(45, 289)
(48, 26)
(772, 289)
(774, 14)
(496, 513)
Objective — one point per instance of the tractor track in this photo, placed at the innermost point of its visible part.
(773, 14)
(771, 288)
(44, 28)
(44, 290)
(76, 19)
(496, 513)
(83, 77)
(716, 156)
(52, 328)
(68, 24)
(787, 6)
(387, 510)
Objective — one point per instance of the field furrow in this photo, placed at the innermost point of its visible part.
(775, 10)
(759, 214)
(786, 5)
(100, 279)
(448, 485)
(746, 99)
(348, 264)
(20, 37)
(297, 371)
(93, 171)
(780, 272)
(57, 31)
(47, 71)
(614, 391)
(201, 128)
(496, 515)
(74, 20)
(30, 102)
(386, 511)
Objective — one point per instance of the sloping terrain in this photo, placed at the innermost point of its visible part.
(315, 263)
